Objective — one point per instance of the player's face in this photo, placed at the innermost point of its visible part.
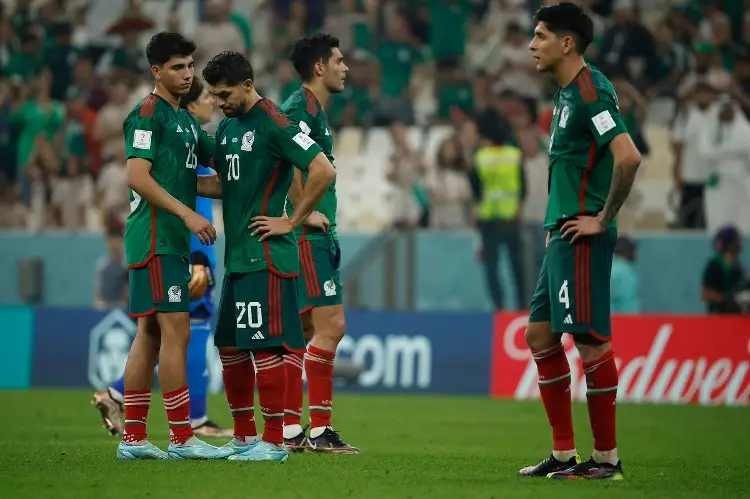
(176, 75)
(232, 100)
(203, 107)
(334, 75)
(547, 48)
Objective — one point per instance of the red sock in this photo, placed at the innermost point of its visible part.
(137, 403)
(554, 387)
(601, 379)
(293, 406)
(319, 369)
(177, 404)
(238, 372)
(272, 395)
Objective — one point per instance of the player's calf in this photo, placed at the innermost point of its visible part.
(238, 372)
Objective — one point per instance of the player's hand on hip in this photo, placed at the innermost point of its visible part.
(317, 219)
(201, 227)
(582, 226)
(267, 227)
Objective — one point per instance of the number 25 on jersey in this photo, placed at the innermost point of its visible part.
(233, 166)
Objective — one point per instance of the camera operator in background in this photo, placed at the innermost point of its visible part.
(726, 287)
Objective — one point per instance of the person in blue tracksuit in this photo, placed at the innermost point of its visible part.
(109, 402)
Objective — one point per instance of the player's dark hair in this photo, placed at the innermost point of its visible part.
(309, 50)
(568, 19)
(196, 89)
(230, 68)
(165, 45)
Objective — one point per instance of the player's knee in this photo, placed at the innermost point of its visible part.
(539, 336)
(332, 325)
(592, 351)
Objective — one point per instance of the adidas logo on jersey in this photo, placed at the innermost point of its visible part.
(568, 319)
(179, 129)
(224, 141)
(259, 336)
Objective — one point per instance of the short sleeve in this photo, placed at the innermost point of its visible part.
(295, 146)
(141, 137)
(206, 147)
(605, 122)
(713, 276)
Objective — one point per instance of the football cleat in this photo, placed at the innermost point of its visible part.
(262, 451)
(549, 465)
(139, 450)
(110, 411)
(590, 470)
(211, 429)
(196, 448)
(330, 442)
(298, 443)
(238, 446)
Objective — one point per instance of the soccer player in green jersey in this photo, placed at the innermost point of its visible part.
(257, 150)
(321, 68)
(163, 144)
(592, 166)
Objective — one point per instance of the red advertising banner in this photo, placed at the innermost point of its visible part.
(661, 359)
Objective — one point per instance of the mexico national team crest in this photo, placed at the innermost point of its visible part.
(564, 117)
(247, 141)
(109, 345)
(329, 288)
(175, 294)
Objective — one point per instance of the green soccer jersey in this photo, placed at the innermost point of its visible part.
(585, 119)
(255, 157)
(303, 108)
(173, 141)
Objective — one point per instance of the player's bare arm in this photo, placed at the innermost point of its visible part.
(316, 219)
(141, 181)
(626, 159)
(209, 186)
(320, 174)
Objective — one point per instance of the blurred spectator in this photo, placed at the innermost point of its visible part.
(724, 143)
(112, 193)
(536, 170)
(399, 55)
(691, 168)
(633, 109)
(499, 187)
(448, 28)
(455, 91)
(128, 56)
(108, 129)
(627, 49)
(111, 274)
(448, 186)
(514, 69)
(71, 195)
(217, 33)
(725, 282)
(624, 294)
(61, 57)
(13, 210)
(709, 70)
(673, 60)
(25, 65)
(406, 175)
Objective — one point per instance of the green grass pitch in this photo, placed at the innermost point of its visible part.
(52, 446)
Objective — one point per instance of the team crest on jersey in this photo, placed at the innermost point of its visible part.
(247, 141)
(564, 117)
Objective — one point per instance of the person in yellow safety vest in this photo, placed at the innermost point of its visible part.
(499, 187)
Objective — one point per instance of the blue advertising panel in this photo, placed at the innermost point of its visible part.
(16, 339)
(398, 352)
(420, 352)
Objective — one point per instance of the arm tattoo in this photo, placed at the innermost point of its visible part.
(622, 181)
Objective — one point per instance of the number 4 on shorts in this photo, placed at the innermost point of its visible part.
(562, 297)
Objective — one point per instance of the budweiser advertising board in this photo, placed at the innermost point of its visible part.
(661, 359)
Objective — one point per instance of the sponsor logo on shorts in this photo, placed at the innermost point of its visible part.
(329, 288)
(175, 294)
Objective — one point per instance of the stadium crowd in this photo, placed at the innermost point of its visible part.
(682, 73)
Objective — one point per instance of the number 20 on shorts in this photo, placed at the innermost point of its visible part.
(249, 315)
